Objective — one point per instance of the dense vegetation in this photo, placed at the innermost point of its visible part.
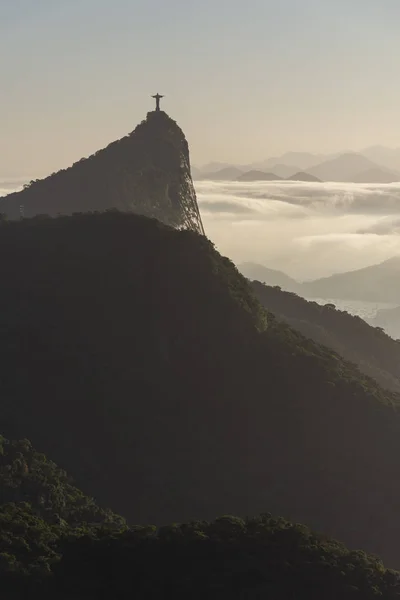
(27, 476)
(230, 558)
(40, 510)
(227, 558)
(138, 358)
(375, 353)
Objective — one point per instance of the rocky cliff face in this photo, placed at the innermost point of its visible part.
(146, 172)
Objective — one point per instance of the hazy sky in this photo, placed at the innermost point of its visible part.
(245, 79)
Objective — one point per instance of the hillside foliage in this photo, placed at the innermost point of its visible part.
(40, 511)
(370, 348)
(140, 360)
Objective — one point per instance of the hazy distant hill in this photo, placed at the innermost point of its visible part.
(212, 167)
(345, 167)
(254, 271)
(257, 176)
(196, 172)
(387, 157)
(376, 164)
(377, 283)
(302, 176)
(225, 174)
(376, 175)
(304, 160)
(284, 171)
(389, 319)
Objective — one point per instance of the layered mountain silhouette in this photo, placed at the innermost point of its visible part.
(284, 171)
(257, 176)
(377, 283)
(224, 174)
(387, 157)
(345, 167)
(138, 358)
(342, 168)
(273, 277)
(303, 176)
(389, 320)
(376, 175)
(146, 172)
(303, 160)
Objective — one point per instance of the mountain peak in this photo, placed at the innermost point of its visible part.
(146, 172)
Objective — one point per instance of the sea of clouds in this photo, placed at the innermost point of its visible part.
(307, 230)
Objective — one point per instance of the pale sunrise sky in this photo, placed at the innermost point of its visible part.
(245, 79)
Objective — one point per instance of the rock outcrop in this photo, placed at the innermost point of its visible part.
(146, 172)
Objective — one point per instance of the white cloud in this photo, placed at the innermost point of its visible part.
(307, 230)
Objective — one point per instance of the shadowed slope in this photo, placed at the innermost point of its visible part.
(137, 357)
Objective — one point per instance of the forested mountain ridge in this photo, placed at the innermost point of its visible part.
(140, 360)
(230, 557)
(56, 543)
(375, 353)
(146, 172)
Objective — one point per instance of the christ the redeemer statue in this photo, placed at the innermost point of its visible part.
(158, 98)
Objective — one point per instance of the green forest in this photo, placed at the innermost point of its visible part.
(57, 543)
(139, 360)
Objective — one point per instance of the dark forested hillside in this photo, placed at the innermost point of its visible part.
(27, 476)
(138, 358)
(230, 558)
(376, 353)
(40, 511)
(227, 558)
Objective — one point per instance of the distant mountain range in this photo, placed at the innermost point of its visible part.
(303, 160)
(224, 174)
(256, 272)
(389, 320)
(258, 176)
(284, 171)
(351, 167)
(388, 157)
(376, 175)
(375, 165)
(303, 176)
(376, 283)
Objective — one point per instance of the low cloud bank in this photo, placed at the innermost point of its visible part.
(306, 230)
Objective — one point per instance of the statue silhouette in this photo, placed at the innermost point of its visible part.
(158, 98)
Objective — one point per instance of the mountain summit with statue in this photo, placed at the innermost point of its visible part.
(147, 172)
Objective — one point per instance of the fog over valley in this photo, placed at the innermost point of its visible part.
(307, 230)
